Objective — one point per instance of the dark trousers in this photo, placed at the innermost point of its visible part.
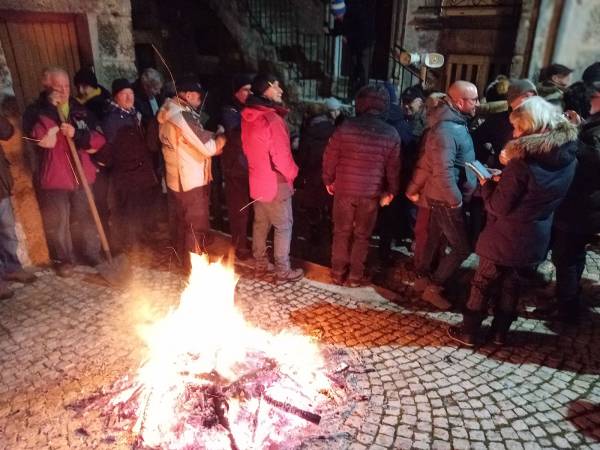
(237, 193)
(390, 223)
(59, 209)
(492, 280)
(353, 221)
(132, 214)
(422, 267)
(446, 227)
(361, 67)
(101, 190)
(191, 211)
(8, 239)
(568, 256)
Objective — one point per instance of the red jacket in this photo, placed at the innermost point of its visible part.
(56, 168)
(266, 144)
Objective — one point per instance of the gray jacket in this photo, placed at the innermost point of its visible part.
(440, 174)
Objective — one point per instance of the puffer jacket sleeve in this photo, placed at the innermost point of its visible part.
(199, 139)
(330, 159)
(280, 152)
(442, 149)
(502, 197)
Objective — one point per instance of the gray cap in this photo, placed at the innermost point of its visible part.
(333, 104)
(520, 87)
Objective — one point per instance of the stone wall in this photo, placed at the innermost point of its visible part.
(110, 31)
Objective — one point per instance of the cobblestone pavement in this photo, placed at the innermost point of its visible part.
(62, 339)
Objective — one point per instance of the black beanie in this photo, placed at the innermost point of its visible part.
(85, 77)
(262, 82)
(591, 75)
(239, 81)
(119, 84)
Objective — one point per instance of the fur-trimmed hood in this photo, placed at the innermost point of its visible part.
(554, 148)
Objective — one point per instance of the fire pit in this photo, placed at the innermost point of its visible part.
(213, 381)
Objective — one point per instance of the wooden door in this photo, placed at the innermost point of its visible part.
(479, 70)
(32, 43)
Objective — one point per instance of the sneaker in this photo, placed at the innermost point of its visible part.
(64, 270)
(5, 292)
(433, 295)
(498, 338)
(356, 283)
(289, 276)
(459, 335)
(261, 271)
(20, 276)
(337, 279)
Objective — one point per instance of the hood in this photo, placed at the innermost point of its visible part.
(443, 112)
(257, 107)
(170, 108)
(372, 100)
(550, 148)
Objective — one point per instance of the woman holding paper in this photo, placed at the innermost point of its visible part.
(540, 164)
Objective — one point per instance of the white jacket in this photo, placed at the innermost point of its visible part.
(186, 146)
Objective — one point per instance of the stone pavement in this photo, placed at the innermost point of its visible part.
(63, 339)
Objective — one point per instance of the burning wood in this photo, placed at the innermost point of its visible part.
(201, 388)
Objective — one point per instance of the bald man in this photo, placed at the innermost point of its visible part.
(441, 183)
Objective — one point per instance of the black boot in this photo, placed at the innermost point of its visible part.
(500, 326)
(466, 332)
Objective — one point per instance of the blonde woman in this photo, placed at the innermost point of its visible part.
(540, 164)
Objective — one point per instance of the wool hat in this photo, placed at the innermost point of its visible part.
(591, 75)
(412, 93)
(86, 77)
(333, 104)
(189, 84)
(119, 84)
(338, 8)
(520, 87)
(239, 81)
(372, 99)
(262, 82)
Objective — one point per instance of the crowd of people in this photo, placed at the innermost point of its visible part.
(404, 168)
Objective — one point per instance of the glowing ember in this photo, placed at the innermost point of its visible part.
(213, 381)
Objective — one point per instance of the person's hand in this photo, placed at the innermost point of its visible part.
(572, 117)
(330, 188)
(49, 140)
(220, 142)
(413, 197)
(385, 199)
(220, 130)
(68, 130)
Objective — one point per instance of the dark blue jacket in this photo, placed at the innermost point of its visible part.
(234, 162)
(521, 205)
(440, 174)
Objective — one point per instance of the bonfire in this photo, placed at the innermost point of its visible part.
(213, 381)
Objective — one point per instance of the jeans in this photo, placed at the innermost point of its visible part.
(568, 256)
(276, 214)
(446, 224)
(60, 208)
(191, 225)
(8, 239)
(353, 221)
(238, 196)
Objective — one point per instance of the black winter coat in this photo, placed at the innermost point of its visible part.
(6, 181)
(521, 205)
(126, 152)
(363, 157)
(233, 159)
(580, 211)
(496, 131)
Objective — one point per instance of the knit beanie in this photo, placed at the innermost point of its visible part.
(85, 77)
(262, 82)
(333, 104)
(239, 81)
(338, 8)
(372, 99)
(119, 84)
